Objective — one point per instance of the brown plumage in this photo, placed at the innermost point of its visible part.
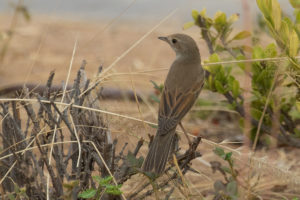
(181, 89)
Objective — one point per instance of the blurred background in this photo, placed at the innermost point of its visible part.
(139, 10)
(44, 40)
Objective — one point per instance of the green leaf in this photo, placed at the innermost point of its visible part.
(154, 98)
(227, 70)
(89, 193)
(195, 15)
(214, 58)
(203, 12)
(153, 126)
(219, 152)
(158, 88)
(271, 51)
(105, 180)
(233, 18)
(235, 88)
(294, 43)
(284, 31)
(228, 156)
(297, 15)
(258, 52)
(241, 35)
(211, 83)
(219, 87)
(230, 80)
(114, 192)
(260, 4)
(242, 64)
(220, 76)
(264, 6)
(220, 17)
(114, 189)
(288, 21)
(276, 14)
(97, 179)
(188, 25)
(213, 68)
(220, 21)
(155, 85)
(255, 113)
(231, 188)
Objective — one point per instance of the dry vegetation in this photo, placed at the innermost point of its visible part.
(45, 44)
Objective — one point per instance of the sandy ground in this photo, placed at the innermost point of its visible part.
(46, 44)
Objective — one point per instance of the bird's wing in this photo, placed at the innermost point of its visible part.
(174, 105)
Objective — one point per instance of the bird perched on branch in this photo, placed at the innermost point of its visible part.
(182, 86)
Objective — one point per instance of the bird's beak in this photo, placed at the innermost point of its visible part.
(163, 39)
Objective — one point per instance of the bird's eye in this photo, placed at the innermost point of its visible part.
(174, 41)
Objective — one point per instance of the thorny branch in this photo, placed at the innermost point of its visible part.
(68, 179)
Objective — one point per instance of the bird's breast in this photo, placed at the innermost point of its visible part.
(182, 76)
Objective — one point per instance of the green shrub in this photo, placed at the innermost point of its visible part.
(274, 71)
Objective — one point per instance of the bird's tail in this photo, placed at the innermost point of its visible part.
(160, 149)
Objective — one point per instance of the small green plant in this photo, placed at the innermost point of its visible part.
(19, 193)
(104, 186)
(229, 188)
(157, 91)
(275, 87)
(217, 31)
(69, 187)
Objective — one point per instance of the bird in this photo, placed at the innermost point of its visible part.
(182, 86)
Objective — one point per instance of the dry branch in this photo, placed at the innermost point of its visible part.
(68, 177)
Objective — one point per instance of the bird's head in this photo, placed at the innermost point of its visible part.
(182, 44)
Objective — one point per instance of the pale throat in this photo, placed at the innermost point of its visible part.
(178, 56)
(183, 56)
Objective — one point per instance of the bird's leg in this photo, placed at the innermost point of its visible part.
(185, 133)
